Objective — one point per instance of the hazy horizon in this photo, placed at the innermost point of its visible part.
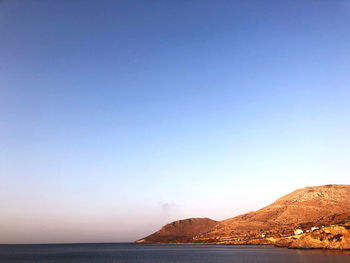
(118, 117)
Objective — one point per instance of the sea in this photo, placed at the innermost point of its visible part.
(140, 253)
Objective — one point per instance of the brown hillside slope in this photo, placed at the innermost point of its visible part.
(303, 207)
(181, 231)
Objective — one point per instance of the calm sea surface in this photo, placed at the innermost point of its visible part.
(122, 252)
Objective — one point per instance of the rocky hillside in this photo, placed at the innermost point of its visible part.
(302, 208)
(181, 231)
(331, 237)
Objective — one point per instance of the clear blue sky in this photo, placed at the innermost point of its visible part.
(117, 117)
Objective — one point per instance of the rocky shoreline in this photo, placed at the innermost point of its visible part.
(332, 237)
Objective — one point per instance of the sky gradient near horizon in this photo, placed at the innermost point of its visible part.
(117, 117)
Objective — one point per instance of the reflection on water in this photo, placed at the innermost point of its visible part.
(321, 255)
(129, 253)
(325, 251)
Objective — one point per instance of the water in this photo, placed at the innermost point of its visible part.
(122, 252)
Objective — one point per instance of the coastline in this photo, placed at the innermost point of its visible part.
(333, 237)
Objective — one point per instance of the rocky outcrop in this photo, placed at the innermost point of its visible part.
(332, 237)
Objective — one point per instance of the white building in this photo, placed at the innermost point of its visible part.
(298, 232)
(314, 228)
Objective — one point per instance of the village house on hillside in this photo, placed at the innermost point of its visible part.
(314, 228)
(298, 232)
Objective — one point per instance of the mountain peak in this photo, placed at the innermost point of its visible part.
(332, 192)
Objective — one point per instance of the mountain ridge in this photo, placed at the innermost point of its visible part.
(301, 208)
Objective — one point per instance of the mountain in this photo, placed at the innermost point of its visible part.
(302, 208)
(181, 231)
